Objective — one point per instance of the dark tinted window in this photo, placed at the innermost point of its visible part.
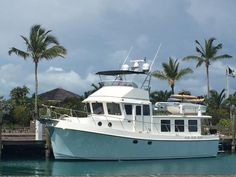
(138, 110)
(192, 125)
(179, 125)
(146, 110)
(113, 109)
(97, 108)
(165, 125)
(88, 108)
(128, 109)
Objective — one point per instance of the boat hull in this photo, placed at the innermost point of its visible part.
(77, 144)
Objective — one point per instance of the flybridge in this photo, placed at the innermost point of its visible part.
(137, 66)
(140, 67)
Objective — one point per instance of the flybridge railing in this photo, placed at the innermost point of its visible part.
(59, 112)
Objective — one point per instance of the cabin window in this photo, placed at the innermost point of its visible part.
(138, 110)
(113, 109)
(192, 125)
(128, 109)
(88, 108)
(97, 108)
(165, 125)
(179, 125)
(146, 110)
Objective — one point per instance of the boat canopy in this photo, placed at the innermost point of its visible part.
(118, 72)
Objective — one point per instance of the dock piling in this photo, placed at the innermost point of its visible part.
(232, 115)
(1, 115)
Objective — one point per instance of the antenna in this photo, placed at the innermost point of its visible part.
(155, 57)
(131, 48)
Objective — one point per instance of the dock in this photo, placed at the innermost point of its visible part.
(16, 145)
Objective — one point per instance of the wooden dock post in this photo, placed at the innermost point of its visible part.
(48, 144)
(232, 115)
(48, 139)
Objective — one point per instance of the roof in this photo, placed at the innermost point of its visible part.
(57, 94)
(119, 94)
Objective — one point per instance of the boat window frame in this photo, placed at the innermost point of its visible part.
(193, 126)
(137, 110)
(88, 109)
(165, 127)
(146, 110)
(128, 110)
(115, 113)
(98, 113)
(179, 127)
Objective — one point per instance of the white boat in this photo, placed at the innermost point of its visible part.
(120, 125)
(180, 107)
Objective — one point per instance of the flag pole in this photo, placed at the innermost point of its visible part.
(227, 83)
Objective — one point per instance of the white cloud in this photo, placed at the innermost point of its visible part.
(12, 76)
(69, 80)
(54, 69)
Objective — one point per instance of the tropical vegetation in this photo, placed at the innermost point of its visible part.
(171, 72)
(39, 45)
(206, 55)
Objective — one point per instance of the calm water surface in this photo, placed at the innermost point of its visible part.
(224, 164)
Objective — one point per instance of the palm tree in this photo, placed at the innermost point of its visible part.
(207, 55)
(216, 99)
(40, 45)
(171, 72)
(159, 96)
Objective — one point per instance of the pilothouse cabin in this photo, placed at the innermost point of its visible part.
(122, 105)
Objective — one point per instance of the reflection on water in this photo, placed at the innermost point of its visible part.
(223, 164)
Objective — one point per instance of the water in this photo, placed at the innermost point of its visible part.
(224, 164)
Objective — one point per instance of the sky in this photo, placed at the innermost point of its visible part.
(99, 33)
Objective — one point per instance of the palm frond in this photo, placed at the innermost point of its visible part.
(18, 52)
(183, 72)
(192, 57)
(220, 57)
(219, 46)
(211, 40)
(28, 45)
(201, 52)
(200, 63)
(50, 39)
(160, 75)
(202, 49)
(55, 51)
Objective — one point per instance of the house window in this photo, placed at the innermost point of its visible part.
(165, 125)
(146, 110)
(179, 125)
(128, 109)
(113, 109)
(138, 110)
(192, 125)
(97, 108)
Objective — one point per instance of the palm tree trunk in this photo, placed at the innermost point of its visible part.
(36, 91)
(208, 82)
(38, 125)
(172, 88)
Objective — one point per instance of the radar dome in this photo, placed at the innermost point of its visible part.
(146, 67)
(125, 67)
